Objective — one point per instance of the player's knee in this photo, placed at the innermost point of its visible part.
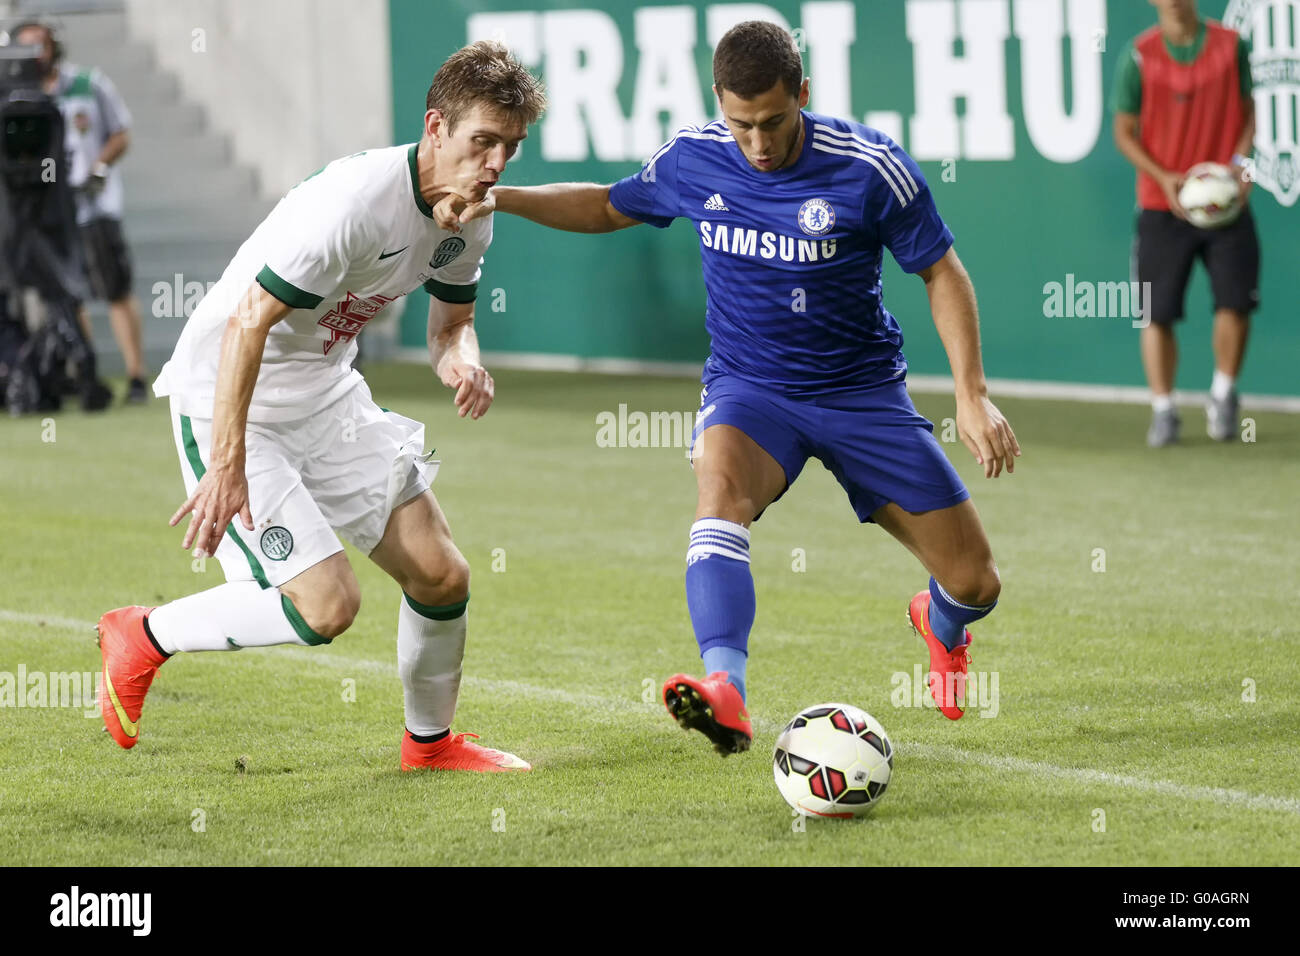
(337, 618)
(721, 496)
(453, 578)
(978, 585)
(329, 611)
(443, 579)
(990, 586)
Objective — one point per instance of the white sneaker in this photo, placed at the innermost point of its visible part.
(1221, 417)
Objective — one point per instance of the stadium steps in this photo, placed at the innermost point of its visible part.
(188, 206)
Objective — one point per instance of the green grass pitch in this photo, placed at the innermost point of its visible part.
(1146, 713)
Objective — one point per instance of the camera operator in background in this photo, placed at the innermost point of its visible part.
(96, 130)
(42, 261)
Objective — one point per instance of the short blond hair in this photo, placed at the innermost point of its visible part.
(485, 74)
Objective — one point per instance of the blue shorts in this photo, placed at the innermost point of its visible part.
(873, 440)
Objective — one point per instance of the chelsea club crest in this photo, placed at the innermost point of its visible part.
(816, 217)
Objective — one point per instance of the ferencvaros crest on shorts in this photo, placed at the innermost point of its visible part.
(277, 543)
(816, 217)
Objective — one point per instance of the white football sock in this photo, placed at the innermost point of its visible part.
(228, 617)
(1162, 403)
(1221, 385)
(429, 654)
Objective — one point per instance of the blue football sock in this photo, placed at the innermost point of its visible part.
(728, 659)
(720, 595)
(948, 618)
(949, 632)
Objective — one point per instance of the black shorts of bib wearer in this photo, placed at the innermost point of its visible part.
(1166, 248)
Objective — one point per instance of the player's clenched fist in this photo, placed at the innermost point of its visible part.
(221, 494)
(474, 387)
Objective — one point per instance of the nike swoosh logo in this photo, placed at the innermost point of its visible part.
(129, 727)
(388, 255)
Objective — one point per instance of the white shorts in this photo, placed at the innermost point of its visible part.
(341, 471)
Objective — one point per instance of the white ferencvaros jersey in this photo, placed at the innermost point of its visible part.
(339, 246)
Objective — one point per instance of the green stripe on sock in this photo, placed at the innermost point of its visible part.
(196, 463)
(445, 612)
(300, 626)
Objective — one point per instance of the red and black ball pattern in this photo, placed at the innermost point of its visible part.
(828, 783)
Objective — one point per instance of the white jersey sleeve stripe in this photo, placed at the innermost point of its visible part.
(857, 140)
(902, 200)
(690, 132)
(850, 139)
(889, 167)
(865, 154)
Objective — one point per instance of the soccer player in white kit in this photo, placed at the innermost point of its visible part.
(274, 428)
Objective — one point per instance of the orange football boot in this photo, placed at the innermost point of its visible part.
(454, 752)
(947, 668)
(130, 662)
(712, 706)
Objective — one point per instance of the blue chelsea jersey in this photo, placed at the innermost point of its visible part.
(792, 257)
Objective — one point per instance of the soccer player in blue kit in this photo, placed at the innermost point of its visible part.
(793, 210)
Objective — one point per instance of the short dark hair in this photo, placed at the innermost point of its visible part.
(485, 74)
(752, 56)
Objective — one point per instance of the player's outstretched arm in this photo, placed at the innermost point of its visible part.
(573, 207)
(453, 352)
(982, 428)
(222, 492)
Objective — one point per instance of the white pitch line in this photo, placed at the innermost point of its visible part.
(1237, 799)
(50, 620)
(505, 688)
(1086, 775)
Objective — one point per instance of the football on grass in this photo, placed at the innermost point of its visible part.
(833, 760)
(1210, 195)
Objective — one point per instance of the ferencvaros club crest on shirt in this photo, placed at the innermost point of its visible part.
(447, 250)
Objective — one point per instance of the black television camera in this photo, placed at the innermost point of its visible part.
(41, 252)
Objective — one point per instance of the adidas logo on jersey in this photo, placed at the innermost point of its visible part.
(715, 203)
